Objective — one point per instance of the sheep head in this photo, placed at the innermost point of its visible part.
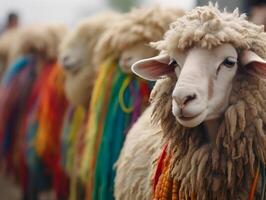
(204, 69)
(203, 77)
(128, 39)
(76, 56)
(40, 40)
(77, 48)
(134, 53)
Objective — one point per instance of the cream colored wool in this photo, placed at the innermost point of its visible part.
(138, 26)
(138, 185)
(42, 40)
(79, 84)
(6, 42)
(207, 27)
(223, 171)
(226, 169)
(137, 161)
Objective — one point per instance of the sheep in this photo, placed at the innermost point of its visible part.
(33, 57)
(42, 40)
(209, 102)
(120, 46)
(128, 39)
(76, 56)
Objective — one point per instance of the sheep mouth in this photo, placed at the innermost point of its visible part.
(183, 118)
(192, 121)
(72, 70)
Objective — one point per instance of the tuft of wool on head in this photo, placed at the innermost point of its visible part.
(42, 40)
(226, 169)
(138, 26)
(208, 27)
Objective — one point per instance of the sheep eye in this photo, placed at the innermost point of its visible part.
(173, 63)
(229, 62)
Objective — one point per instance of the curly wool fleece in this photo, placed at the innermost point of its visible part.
(224, 170)
(207, 27)
(138, 26)
(228, 167)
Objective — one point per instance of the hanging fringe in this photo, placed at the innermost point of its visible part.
(51, 152)
(28, 118)
(96, 115)
(15, 89)
(117, 101)
(51, 111)
(20, 90)
(74, 120)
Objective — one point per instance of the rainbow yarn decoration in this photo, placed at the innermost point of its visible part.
(15, 89)
(117, 101)
(75, 119)
(32, 108)
(20, 90)
(51, 110)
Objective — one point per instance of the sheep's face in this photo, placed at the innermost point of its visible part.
(131, 55)
(204, 80)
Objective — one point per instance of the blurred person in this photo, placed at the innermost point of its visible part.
(258, 12)
(12, 21)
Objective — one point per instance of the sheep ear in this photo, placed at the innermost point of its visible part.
(153, 68)
(253, 63)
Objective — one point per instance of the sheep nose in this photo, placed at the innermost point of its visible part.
(65, 59)
(127, 59)
(184, 99)
(67, 62)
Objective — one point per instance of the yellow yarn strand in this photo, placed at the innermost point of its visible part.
(78, 118)
(106, 68)
(121, 96)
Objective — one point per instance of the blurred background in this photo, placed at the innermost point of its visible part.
(71, 11)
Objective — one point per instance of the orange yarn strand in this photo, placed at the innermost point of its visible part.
(254, 184)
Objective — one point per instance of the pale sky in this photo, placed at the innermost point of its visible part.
(67, 11)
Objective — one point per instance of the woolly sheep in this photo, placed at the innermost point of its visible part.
(210, 106)
(125, 43)
(76, 56)
(43, 40)
(128, 39)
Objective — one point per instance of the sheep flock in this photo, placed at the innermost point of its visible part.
(156, 103)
